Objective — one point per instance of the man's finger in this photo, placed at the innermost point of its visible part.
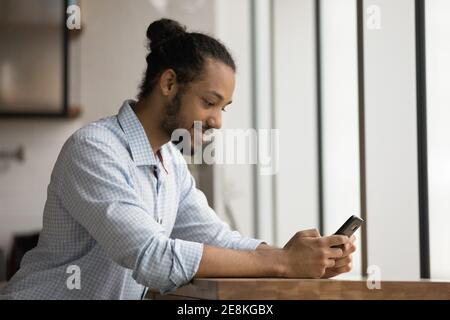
(335, 253)
(343, 269)
(349, 248)
(330, 273)
(330, 263)
(335, 240)
(343, 262)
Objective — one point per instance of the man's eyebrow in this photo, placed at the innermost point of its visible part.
(218, 95)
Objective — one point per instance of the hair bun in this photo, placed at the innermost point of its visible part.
(162, 30)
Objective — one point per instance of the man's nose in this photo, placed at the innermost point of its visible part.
(215, 121)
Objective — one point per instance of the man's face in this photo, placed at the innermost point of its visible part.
(203, 100)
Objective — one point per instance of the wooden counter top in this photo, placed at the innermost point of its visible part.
(310, 289)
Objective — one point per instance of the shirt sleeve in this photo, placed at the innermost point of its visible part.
(96, 191)
(197, 221)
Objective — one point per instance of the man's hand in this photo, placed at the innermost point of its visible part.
(308, 255)
(343, 264)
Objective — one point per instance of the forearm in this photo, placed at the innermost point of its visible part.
(265, 246)
(221, 262)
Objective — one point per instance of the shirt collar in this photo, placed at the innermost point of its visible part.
(141, 149)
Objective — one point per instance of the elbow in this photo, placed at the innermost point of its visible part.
(167, 264)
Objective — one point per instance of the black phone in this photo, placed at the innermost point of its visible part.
(350, 226)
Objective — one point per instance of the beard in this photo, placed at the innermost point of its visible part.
(172, 119)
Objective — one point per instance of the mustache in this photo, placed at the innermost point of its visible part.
(204, 127)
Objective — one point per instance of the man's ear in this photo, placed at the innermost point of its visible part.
(168, 82)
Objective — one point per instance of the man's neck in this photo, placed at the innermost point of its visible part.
(149, 115)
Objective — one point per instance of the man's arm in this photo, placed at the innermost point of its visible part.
(223, 262)
(227, 254)
(306, 255)
(270, 261)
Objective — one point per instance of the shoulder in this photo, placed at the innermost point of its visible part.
(104, 134)
(97, 147)
(104, 130)
(94, 144)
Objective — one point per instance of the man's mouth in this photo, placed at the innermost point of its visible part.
(204, 136)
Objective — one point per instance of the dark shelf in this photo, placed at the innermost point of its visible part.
(66, 111)
(72, 113)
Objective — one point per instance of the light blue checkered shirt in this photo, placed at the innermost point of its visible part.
(126, 228)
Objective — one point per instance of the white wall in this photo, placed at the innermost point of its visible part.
(112, 49)
(263, 115)
(340, 117)
(391, 141)
(438, 116)
(295, 103)
(234, 183)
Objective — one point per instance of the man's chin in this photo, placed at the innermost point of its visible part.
(195, 145)
(196, 149)
(191, 151)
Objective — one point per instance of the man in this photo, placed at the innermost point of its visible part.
(123, 213)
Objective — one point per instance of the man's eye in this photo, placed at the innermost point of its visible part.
(224, 109)
(208, 103)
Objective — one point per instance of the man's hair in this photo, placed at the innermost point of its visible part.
(171, 47)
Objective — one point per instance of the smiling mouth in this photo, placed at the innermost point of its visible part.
(203, 135)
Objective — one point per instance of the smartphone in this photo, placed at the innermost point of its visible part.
(350, 226)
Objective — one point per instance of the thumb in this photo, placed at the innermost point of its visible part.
(309, 233)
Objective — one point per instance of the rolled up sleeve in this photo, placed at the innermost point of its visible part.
(96, 191)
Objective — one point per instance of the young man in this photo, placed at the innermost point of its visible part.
(123, 213)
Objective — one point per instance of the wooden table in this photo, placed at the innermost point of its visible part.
(311, 289)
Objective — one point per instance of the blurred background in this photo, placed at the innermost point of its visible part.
(359, 90)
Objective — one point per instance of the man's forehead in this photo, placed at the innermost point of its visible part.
(217, 78)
